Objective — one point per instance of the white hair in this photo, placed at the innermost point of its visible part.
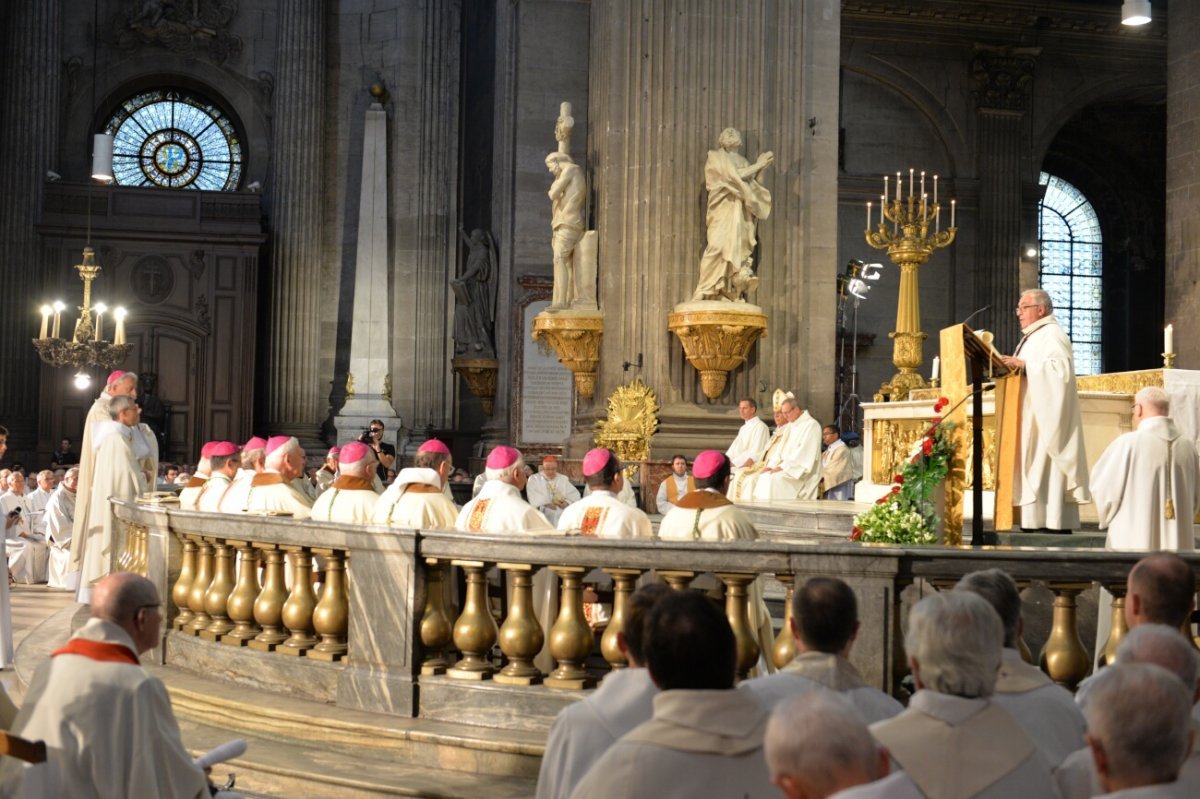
(118, 404)
(816, 735)
(1040, 298)
(956, 638)
(1163, 646)
(1139, 714)
(1156, 398)
(505, 474)
(277, 458)
(362, 467)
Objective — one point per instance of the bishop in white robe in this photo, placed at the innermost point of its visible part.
(351, 497)
(550, 491)
(415, 500)
(796, 472)
(752, 438)
(60, 513)
(741, 489)
(271, 491)
(223, 467)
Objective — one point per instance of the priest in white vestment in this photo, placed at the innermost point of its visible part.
(416, 498)
(189, 496)
(953, 740)
(118, 475)
(752, 438)
(837, 466)
(119, 384)
(60, 513)
(25, 545)
(223, 461)
(550, 491)
(108, 725)
(1144, 485)
(1051, 475)
(1045, 710)
(584, 731)
(601, 514)
(824, 625)
(674, 485)
(351, 497)
(795, 473)
(271, 491)
(253, 461)
(741, 489)
(39, 498)
(705, 738)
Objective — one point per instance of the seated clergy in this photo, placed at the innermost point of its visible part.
(674, 485)
(549, 491)
(1160, 589)
(223, 466)
(752, 439)
(824, 625)
(745, 476)
(416, 497)
(253, 461)
(25, 546)
(272, 491)
(1045, 710)
(837, 466)
(953, 741)
(498, 508)
(351, 497)
(796, 472)
(39, 498)
(601, 513)
(60, 515)
(584, 731)
(190, 494)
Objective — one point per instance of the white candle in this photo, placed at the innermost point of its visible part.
(922, 182)
(937, 218)
(910, 181)
(924, 206)
(935, 189)
(100, 309)
(46, 311)
(119, 335)
(1169, 339)
(937, 368)
(885, 186)
(59, 307)
(952, 204)
(868, 215)
(897, 185)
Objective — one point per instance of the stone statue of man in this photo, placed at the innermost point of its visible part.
(736, 201)
(475, 293)
(567, 195)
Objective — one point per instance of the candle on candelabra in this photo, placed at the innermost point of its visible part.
(897, 185)
(46, 311)
(910, 181)
(924, 198)
(100, 309)
(937, 368)
(937, 217)
(59, 307)
(119, 335)
(1169, 340)
(868, 215)
(952, 204)
(935, 189)
(922, 182)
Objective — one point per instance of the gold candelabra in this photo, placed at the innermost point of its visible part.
(909, 228)
(87, 346)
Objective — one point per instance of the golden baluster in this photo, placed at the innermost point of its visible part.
(678, 580)
(143, 562)
(1119, 626)
(475, 631)
(436, 630)
(1064, 657)
(331, 619)
(268, 608)
(126, 548)
(571, 637)
(300, 605)
(623, 583)
(737, 610)
(183, 586)
(521, 635)
(240, 606)
(216, 599)
(204, 576)
(783, 651)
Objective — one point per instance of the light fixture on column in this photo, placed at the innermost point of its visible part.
(1135, 12)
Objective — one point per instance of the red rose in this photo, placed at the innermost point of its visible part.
(895, 489)
(941, 403)
(898, 479)
(856, 534)
(927, 447)
(882, 500)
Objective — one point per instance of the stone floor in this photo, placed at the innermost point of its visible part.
(31, 605)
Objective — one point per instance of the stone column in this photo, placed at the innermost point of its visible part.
(1183, 186)
(1003, 80)
(666, 78)
(29, 132)
(293, 395)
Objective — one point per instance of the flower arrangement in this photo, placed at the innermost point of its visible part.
(905, 515)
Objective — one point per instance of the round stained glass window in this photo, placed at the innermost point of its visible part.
(176, 140)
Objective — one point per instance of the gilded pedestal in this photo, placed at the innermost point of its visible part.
(480, 376)
(575, 338)
(717, 337)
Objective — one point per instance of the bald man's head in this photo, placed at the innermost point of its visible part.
(1161, 590)
(131, 602)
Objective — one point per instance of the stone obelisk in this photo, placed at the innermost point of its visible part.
(368, 386)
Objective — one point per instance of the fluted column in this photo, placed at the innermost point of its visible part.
(666, 79)
(1183, 185)
(293, 389)
(1003, 82)
(29, 132)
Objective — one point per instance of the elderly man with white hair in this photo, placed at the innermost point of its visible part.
(1045, 710)
(1144, 484)
(60, 512)
(954, 741)
(1157, 644)
(351, 497)
(416, 497)
(253, 461)
(498, 508)
(24, 541)
(40, 497)
(271, 491)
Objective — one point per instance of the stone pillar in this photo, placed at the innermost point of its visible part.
(1183, 186)
(293, 395)
(1003, 80)
(29, 132)
(666, 78)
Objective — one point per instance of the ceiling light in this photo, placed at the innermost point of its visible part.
(1135, 12)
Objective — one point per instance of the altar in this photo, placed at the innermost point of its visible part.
(891, 428)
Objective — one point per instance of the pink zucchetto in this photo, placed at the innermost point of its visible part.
(433, 445)
(333, 452)
(595, 461)
(114, 377)
(255, 442)
(275, 442)
(353, 452)
(707, 463)
(220, 449)
(502, 457)
(207, 450)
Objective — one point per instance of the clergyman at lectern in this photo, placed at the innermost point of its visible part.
(1051, 477)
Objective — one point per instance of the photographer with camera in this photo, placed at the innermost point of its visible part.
(384, 452)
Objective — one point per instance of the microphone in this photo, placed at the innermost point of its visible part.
(977, 313)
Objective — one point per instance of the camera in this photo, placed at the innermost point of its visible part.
(366, 437)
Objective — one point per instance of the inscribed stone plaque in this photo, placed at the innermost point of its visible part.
(545, 390)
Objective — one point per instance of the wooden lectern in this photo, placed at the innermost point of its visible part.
(966, 362)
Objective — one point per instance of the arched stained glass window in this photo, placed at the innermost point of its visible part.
(1072, 268)
(176, 140)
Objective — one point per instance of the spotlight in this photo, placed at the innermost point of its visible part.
(1135, 12)
(82, 380)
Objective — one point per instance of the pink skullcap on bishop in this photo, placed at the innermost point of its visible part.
(333, 452)
(353, 452)
(114, 377)
(433, 445)
(502, 457)
(275, 442)
(221, 449)
(207, 450)
(707, 463)
(595, 461)
(255, 442)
